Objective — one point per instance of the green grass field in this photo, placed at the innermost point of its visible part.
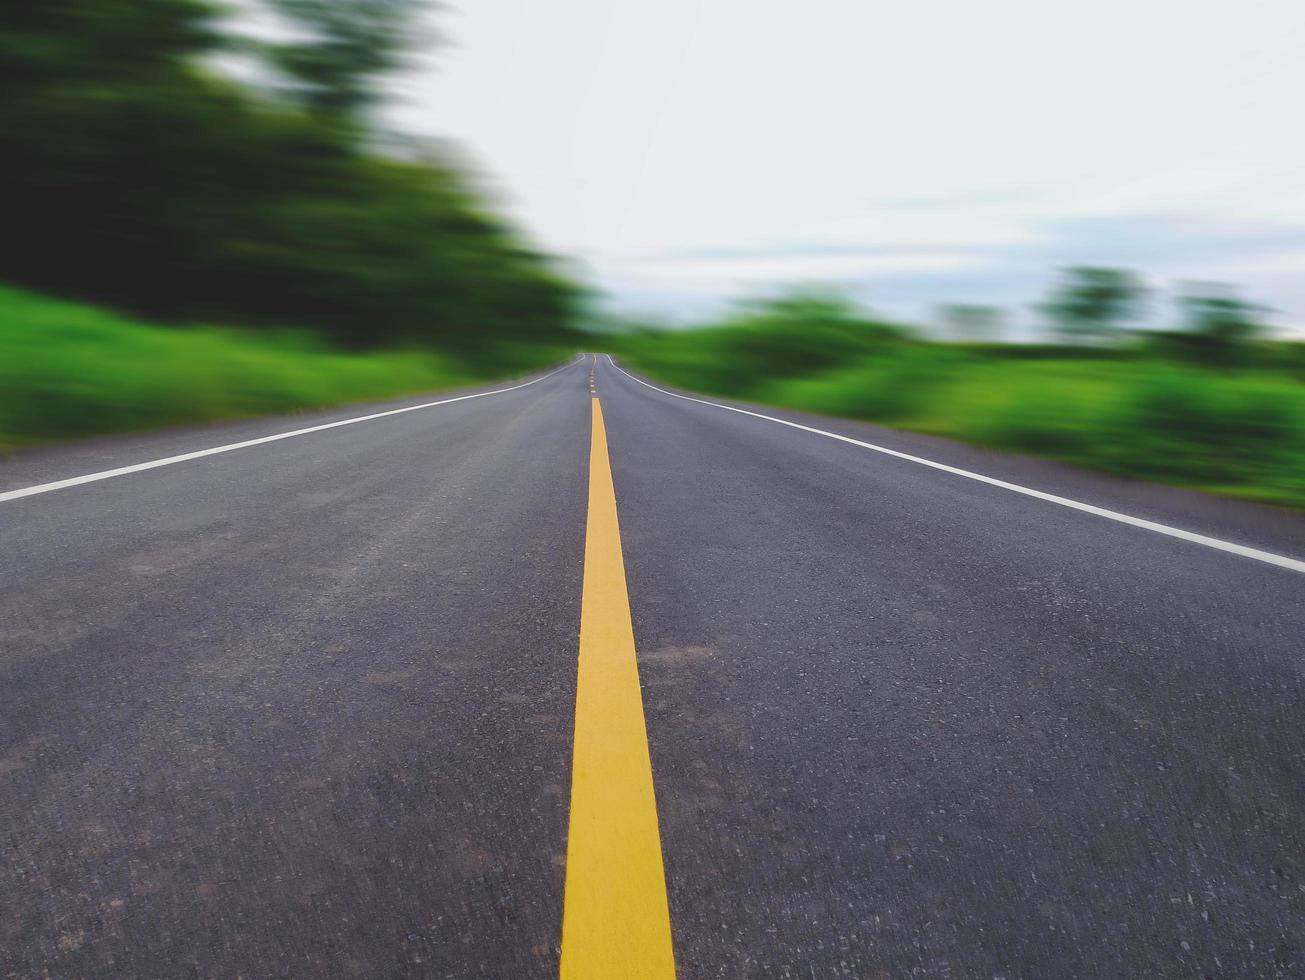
(1239, 432)
(68, 369)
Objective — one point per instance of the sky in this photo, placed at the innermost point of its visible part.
(685, 152)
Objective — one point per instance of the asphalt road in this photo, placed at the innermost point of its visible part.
(305, 708)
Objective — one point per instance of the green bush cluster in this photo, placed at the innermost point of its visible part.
(67, 369)
(1236, 429)
(1224, 429)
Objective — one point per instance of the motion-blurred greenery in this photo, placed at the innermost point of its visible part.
(69, 369)
(136, 173)
(1140, 408)
(159, 159)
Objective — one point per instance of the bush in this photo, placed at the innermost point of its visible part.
(1183, 424)
(1125, 410)
(68, 369)
(1044, 420)
(892, 385)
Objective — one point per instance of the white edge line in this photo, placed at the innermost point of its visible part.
(169, 460)
(1282, 561)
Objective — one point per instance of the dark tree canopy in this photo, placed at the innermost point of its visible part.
(131, 173)
(350, 45)
(1090, 303)
(1215, 310)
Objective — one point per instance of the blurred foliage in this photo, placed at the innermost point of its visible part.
(1090, 304)
(1217, 324)
(1214, 310)
(69, 369)
(349, 44)
(1235, 427)
(1239, 428)
(793, 335)
(133, 173)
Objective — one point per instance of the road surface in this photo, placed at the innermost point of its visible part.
(308, 707)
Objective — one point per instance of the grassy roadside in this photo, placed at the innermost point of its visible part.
(1238, 432)
(67, 370)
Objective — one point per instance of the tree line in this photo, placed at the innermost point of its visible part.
(1090, 304)
(136, 173)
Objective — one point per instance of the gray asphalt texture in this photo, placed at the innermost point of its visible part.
(304, 709)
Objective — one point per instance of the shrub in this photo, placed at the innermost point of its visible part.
(1185, 425)
(1043, 420)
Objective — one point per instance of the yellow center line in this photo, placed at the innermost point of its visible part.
(615, 921)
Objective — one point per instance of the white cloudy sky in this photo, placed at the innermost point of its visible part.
(686, 151)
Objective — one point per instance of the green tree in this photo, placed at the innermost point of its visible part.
(1214, 310)
(1093, 304)
(349, 45)
(798, 332)
(132, 174)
